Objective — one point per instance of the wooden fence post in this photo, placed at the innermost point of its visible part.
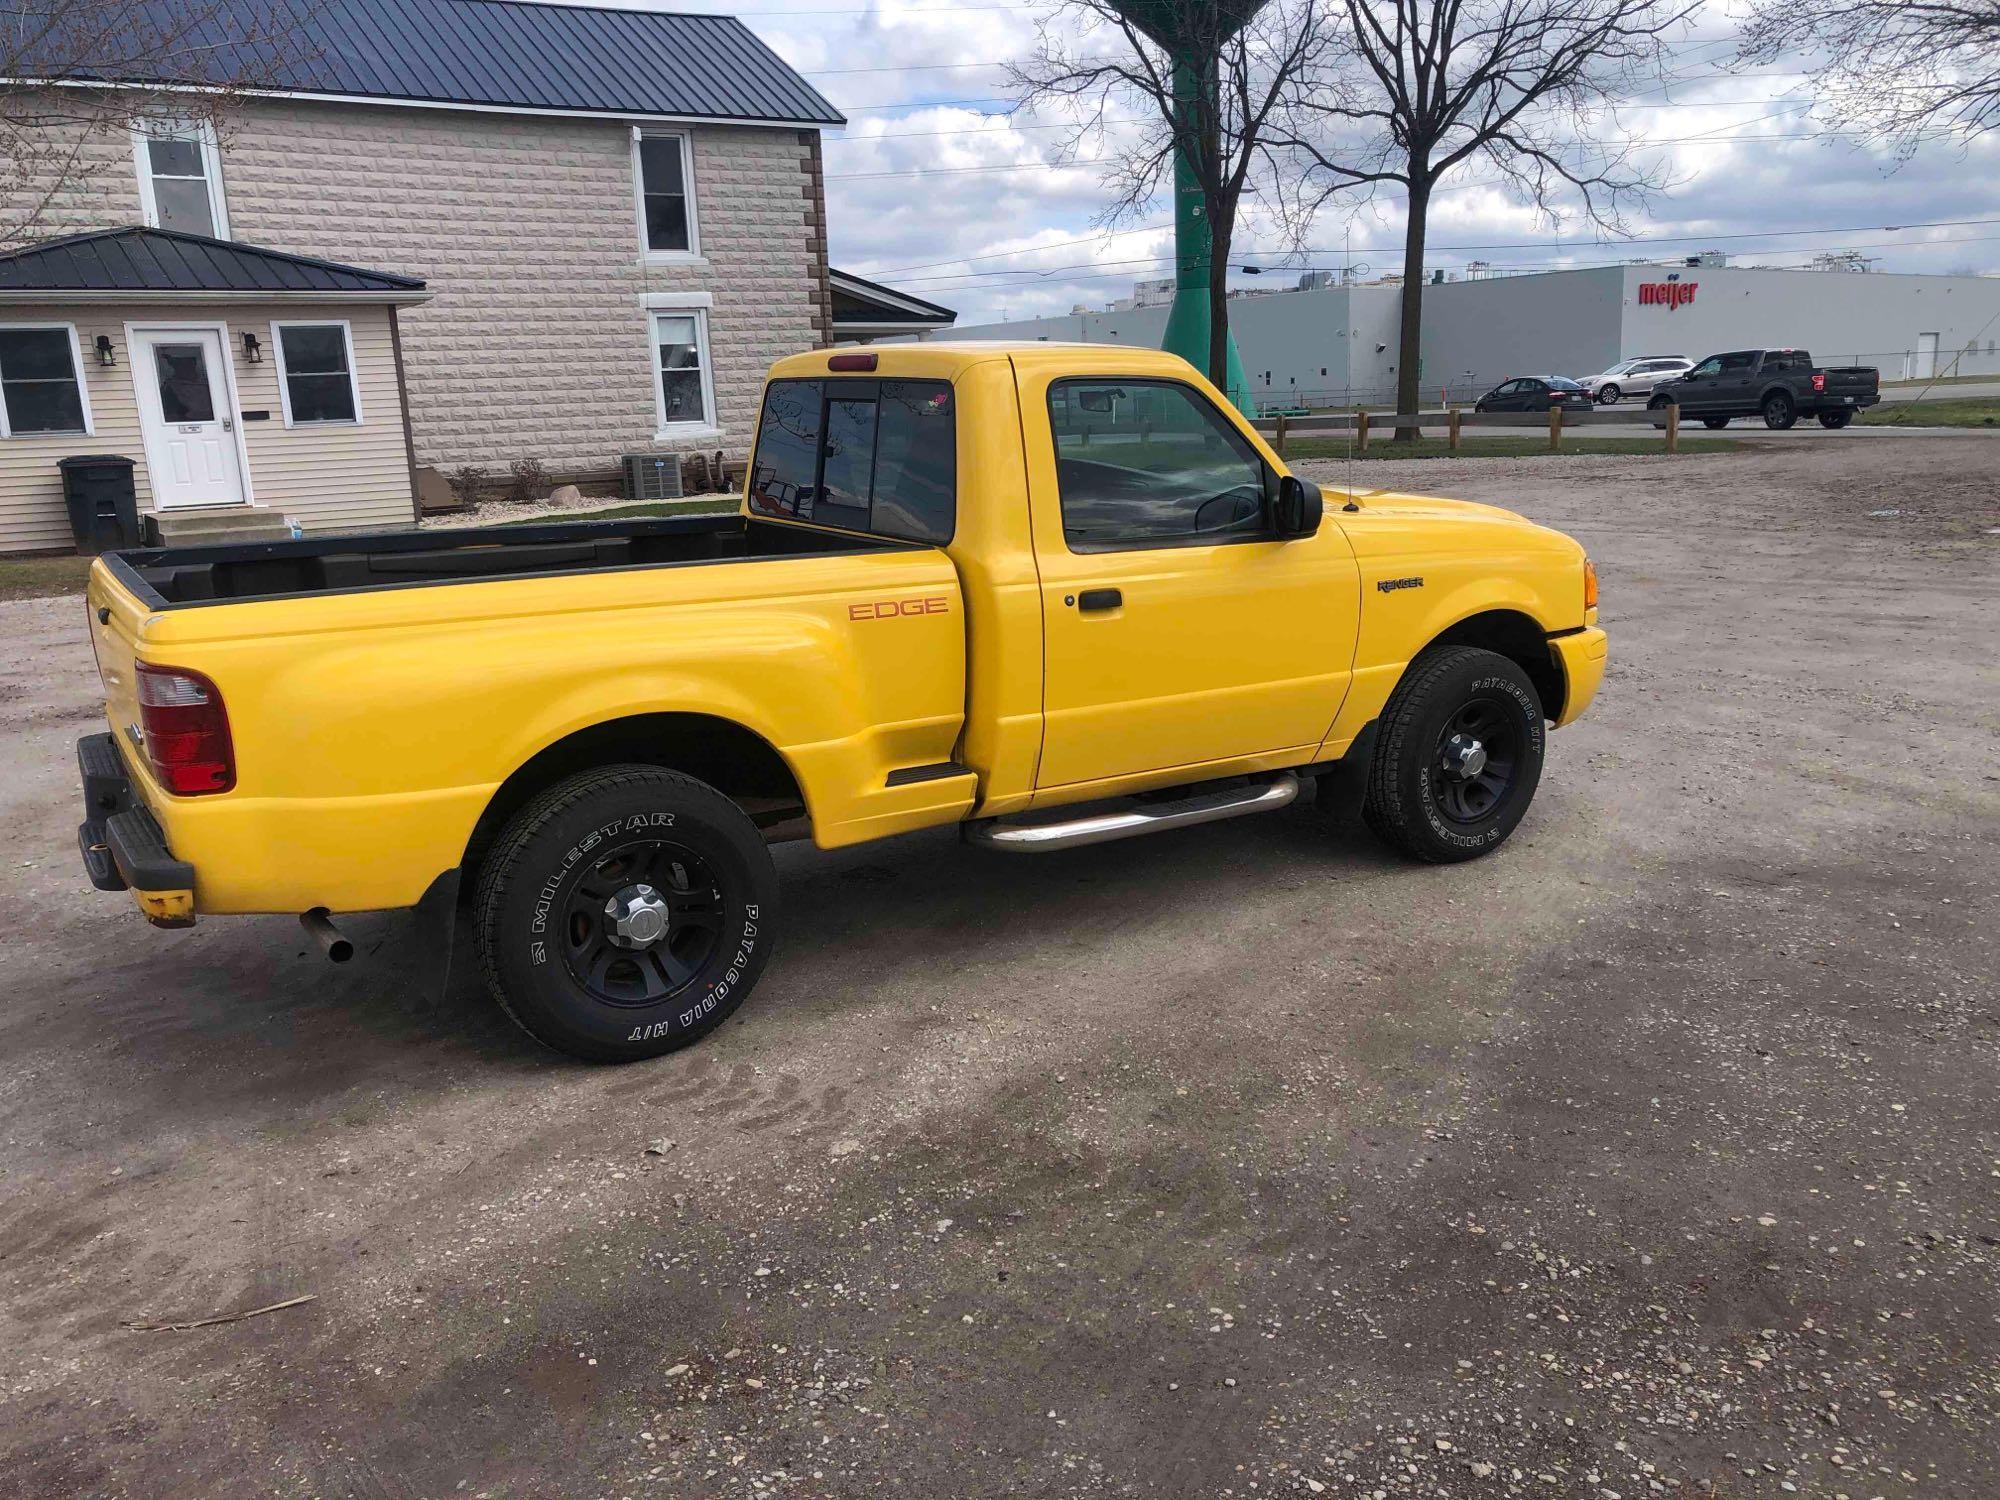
(1278, 442)
(1673, 427)
(1361, 432)
(1555, 428)
(1455, 418)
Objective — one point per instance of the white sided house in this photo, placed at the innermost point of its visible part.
(241, 383)
(619, 218)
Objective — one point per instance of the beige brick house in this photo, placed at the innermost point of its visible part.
(619, 216)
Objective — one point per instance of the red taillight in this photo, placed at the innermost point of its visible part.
(186, 729)
(1819, 380)
(851, 362)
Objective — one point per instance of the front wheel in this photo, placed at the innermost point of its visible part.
(1609, 396)
(1458, 756)
(1834, 420)
(625, 912)
(1780, 411)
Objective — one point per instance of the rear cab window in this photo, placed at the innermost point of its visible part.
(878, 456)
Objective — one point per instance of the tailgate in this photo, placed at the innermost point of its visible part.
(114, 620)
(1852, 380)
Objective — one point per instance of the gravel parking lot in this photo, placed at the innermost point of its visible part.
(1659, 1153)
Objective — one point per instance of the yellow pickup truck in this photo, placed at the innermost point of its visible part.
(1053, 594)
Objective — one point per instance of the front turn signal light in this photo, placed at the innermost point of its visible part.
(1589, 584)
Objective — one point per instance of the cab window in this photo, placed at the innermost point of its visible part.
(1152, 463)
(1709, 366)
(879, 456)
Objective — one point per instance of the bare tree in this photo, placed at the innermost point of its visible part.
(1516, 84)
(76, 75)
(1902, 70)
(1216, 114)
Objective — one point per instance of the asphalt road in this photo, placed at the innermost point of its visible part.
(1657, 1154)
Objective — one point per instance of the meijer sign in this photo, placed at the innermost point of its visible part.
(1668, 294)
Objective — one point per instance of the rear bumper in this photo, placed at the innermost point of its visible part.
(1581, 654)
(121, 842)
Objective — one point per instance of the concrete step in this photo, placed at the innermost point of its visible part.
(201, 528)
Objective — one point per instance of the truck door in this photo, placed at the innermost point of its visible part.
(1735, 387)
(1177, 630)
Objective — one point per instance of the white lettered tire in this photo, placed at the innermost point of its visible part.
(625, 912)
(1458, 755)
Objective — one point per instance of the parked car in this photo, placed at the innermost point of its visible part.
(1782, 385)
(1038, 579)
(1534, 393)
(1635, 377)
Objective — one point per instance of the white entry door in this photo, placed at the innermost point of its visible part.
(187, 416)
(1927, 353)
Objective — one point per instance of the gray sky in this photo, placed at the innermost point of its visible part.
(930, 167)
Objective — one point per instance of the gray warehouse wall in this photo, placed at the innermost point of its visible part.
(1319, 348)
(1297, 347)
(1478, 333)
(1842, 317)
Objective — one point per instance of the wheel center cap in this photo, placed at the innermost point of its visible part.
(1464, 757)
(636, 917)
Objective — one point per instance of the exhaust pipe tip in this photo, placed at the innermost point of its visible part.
(337, 947)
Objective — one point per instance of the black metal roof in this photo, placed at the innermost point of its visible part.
(504, 54)
(858, 300)
(165, 260)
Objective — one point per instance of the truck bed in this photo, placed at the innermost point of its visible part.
(177, 577)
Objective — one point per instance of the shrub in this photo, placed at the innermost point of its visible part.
(530, 479)
(466, 484)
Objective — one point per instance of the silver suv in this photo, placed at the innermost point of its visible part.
(1635, 377)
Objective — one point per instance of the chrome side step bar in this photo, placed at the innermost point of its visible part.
(1103, 828)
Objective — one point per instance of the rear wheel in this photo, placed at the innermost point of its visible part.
(1458, 755)
(625, 912)
(1780, 411)
(1715, 424)
(1835, 419)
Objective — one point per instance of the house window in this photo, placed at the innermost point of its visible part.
(663, 170)
(39, 384)
(680, 344)
(316, 373)
(180, 177)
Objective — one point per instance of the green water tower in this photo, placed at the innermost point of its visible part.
(1188, 31)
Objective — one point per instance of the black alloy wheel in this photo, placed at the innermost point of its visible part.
(641, 923)
(1473, 766)
(1834, 420)
(624, 912)
(1780, 411)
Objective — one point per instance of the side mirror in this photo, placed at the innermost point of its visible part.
(1298, 509)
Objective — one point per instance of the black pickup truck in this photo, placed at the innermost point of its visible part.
(1780, 385)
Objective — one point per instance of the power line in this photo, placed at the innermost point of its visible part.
(1696, 237)
(1713, 137)
(1008, 286)
(972, 133)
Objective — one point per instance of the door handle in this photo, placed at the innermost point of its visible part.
(1095, 599)
(228, 424)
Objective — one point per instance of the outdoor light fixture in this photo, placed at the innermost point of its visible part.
(252, 354)
(104, 355)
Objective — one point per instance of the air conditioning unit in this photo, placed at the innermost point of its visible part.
(652, 476)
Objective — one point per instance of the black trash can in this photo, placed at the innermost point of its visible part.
(103, 505)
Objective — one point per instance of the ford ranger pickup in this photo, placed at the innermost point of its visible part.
(1052, 594)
